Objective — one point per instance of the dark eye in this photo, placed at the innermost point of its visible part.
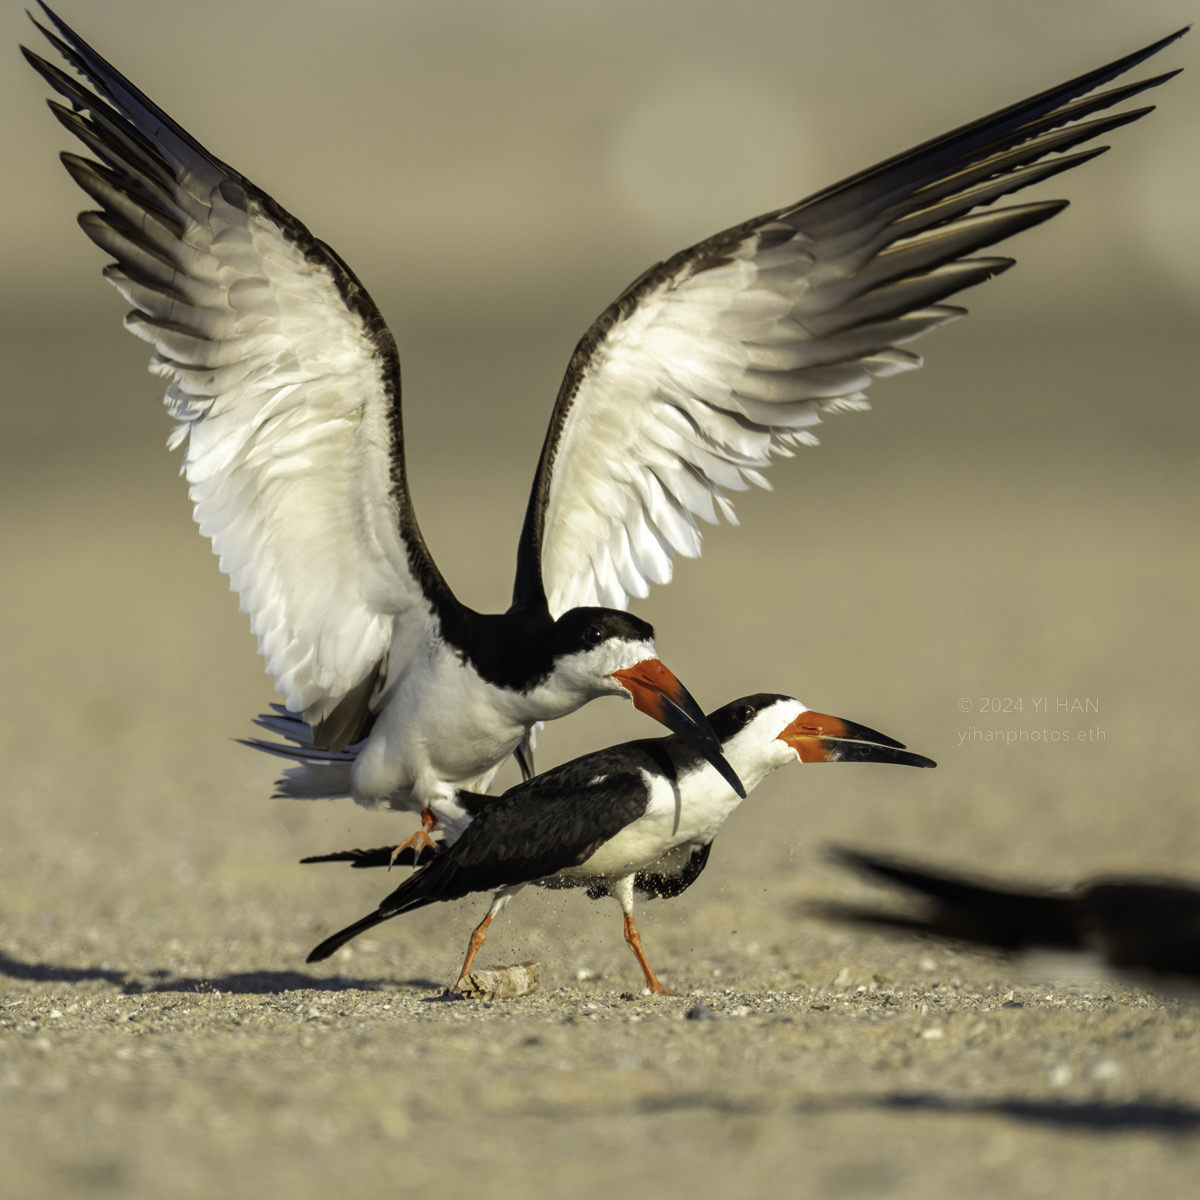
(593, 635)
(744, 714)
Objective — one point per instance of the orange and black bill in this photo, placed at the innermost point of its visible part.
(658, 694)
(818, 737)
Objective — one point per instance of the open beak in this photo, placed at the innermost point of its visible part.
(817, 737)
(658, 694)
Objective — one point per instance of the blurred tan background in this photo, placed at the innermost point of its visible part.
(1015, 521)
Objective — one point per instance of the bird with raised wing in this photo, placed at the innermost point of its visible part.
(283, 380)
(638, 816)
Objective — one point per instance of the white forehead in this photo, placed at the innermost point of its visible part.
(770, 722)
(760, 735)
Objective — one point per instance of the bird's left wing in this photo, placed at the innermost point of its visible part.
(729, 353)
(284, 382)
(554, 821)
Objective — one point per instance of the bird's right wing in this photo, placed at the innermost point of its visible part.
(284, 382)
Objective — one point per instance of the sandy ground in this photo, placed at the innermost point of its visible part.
(1015, 524)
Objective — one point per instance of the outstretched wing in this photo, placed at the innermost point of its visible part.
(731, 351)
(284, 383)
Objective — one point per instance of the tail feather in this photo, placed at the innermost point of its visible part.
(299, 753)
(295, 729)
(286, 724)
(319, 774)
(314, 781)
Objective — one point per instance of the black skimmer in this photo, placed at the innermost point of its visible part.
(1138, 925)
(284, 383)
(643, 812)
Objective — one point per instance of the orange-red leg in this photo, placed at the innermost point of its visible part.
(419, 840)
(478, 936)
(635, 944)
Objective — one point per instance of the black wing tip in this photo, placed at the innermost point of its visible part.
(63, 28)
(380, 856)
(67, 45)
(49, 13)
(44, 67)
(336, 941)
(1038, 211)
(328, 947)
(1008, 122)
(356, 858)
(392, 906)
(1156, 81)
(996, 264)
(1127, 62)
(1152, 49)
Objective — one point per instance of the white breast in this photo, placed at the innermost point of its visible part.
(441, 728)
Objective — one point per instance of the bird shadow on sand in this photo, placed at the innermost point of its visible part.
(244, 983)
(33, 972)
(1096, 1116)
